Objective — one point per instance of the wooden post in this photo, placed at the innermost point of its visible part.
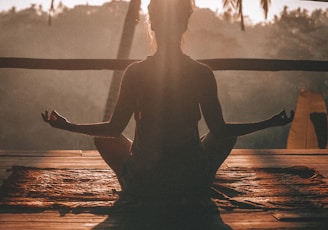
(130, 23)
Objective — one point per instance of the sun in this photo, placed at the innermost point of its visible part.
(144, 5)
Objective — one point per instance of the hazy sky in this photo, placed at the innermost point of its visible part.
(251, 7)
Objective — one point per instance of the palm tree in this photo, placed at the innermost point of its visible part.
(265, 6)
(238, 5)
(51, 12)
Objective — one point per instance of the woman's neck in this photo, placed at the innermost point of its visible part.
(167, 50)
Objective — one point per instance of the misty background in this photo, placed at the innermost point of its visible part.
(94, 32)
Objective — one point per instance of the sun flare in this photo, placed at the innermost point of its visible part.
(252, 9)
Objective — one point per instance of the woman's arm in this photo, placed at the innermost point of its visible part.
(114, 127)
(212, 113)
(101, 129)
(278, 119)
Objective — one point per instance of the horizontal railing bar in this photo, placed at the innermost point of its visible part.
(247, 64)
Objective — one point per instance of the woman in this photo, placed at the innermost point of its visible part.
(167, 93)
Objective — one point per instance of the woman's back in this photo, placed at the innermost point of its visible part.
(167, 102)
(166, 150)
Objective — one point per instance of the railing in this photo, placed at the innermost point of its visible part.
(120, 64)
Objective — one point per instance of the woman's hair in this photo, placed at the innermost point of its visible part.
(170, 13)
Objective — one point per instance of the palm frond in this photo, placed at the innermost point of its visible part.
(265, 6)
(228, 3)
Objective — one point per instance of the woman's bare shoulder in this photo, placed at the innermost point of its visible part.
(200, 67)
(201, 71)
(138, 65)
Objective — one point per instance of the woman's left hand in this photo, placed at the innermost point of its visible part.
(281, 118)
(55, 120)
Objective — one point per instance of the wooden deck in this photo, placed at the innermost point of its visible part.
(235, 219)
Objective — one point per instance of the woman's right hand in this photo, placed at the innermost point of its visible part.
(55, 120)
(281, 118)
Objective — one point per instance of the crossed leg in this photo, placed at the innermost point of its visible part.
(217, 151)
(115, 152)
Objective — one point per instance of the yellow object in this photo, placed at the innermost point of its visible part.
(302, 134)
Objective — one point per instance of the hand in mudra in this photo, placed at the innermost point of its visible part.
(55, 119)
(281, 118)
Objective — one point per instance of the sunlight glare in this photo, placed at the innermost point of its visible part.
(253, 12)
(252, 9)
(212, 4)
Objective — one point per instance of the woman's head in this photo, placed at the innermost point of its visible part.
(169, 18)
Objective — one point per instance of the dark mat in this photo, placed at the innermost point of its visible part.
(243, 188)
(289, 188)
(46, 188)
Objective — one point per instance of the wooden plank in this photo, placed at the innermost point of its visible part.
(252, 152)
(51, 159)
(107, 225)
(305, 216)
(92, 159)
(48, 225)
(266, 220)
(58, 165)
(51, 215)
(95, 153)
(44, 153)
(242, 224)
(228, 163)
(279, 152)
(50, 220)
(236, 220)
(90, 153)
(120, 64)
(273, 164)
(272, 160)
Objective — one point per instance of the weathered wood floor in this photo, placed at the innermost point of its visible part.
(236, 219)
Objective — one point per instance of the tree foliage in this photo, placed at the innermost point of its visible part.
(94, 32)
(238, 6)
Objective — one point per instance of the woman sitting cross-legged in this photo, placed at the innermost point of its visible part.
(167, 94)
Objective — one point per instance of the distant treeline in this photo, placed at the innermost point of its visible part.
(93, 32)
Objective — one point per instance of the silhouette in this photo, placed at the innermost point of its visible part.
(169, 218)
(167, 164)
